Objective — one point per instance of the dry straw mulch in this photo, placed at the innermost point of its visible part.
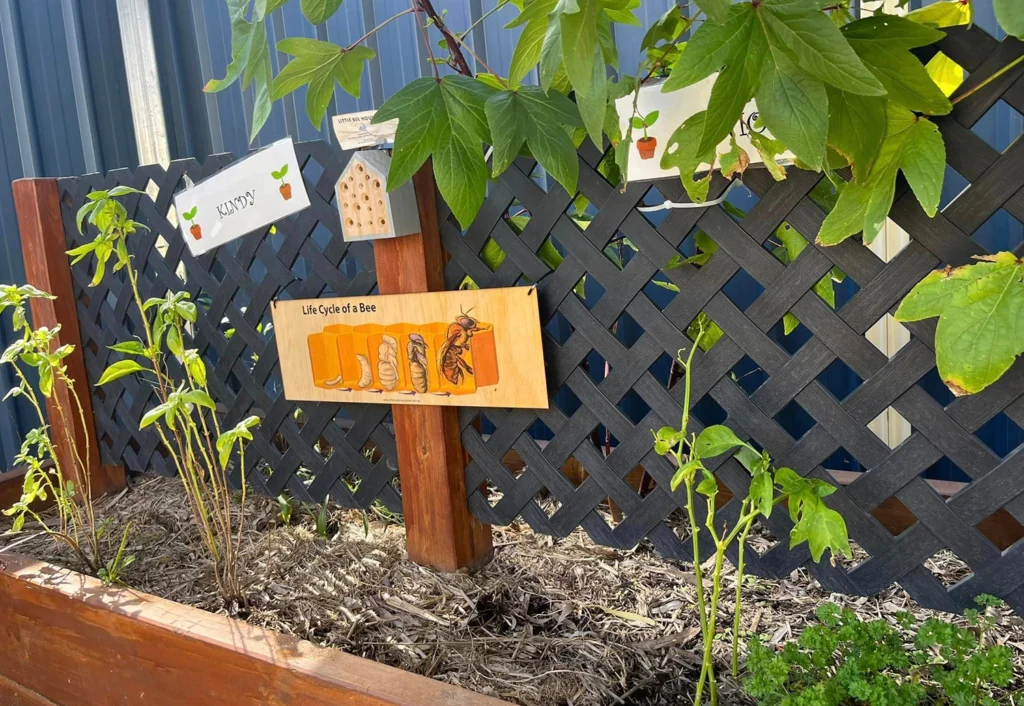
(547, 622)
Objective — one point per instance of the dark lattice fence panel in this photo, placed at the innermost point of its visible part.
(607, 393)
(311, 450)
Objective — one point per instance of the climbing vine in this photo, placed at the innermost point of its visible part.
(845, 96)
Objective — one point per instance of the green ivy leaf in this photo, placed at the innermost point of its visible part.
(762, 493)
(528, 49)
(822, 528)
(979, 333)
(717, 10)
(319, 65)
(1010, 15)
(715, 440)
(883, 43)
(537, 120)
(795, 110)
(593, 103)
(734, 87)
(712, 46)
(579, 34)
(769, 149)
(810, 42)
(681, 153)
(912, 144)
(129, 347)
(319, 11)
(119, 370)
(250, 60)
(856, 128)
(709, 485)
(445, 119)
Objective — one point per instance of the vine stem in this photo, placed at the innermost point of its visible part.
(740, 567)
(378, 28)
(988, 80)
(483, 17)
(462, 66)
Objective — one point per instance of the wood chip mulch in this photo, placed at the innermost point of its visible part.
(545, 623)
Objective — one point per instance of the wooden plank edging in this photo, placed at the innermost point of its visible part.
(70, 640)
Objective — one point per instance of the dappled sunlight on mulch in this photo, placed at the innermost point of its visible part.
(547, 622)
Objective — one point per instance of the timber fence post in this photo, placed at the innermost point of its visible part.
(47, 267)
(441, 532)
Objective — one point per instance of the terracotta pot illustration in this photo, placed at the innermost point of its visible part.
(286, 191)
(196, 231)
(646, 147)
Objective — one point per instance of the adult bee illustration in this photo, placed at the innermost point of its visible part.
(451, 356)
(417, 350)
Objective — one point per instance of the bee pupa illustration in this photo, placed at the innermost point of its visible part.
(366, 374)
(387, 362)
(417, 354)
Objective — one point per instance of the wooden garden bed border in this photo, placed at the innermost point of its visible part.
(70, 640)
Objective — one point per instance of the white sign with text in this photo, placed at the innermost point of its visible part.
(661, 113)
(355, 130)
(254, 192)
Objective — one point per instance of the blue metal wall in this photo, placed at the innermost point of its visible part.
(64, 110)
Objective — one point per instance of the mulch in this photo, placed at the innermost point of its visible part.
(546, 622)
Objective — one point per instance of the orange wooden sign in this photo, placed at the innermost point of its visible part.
(468, 348)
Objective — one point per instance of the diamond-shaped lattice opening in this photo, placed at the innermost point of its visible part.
(661, 291)
(492, 255)
(742, 290)
(589, 290)
(324, 448)
(1001, 434)
(999, 126)
(713, 333)
(761, 538)
(948, 568)
(839, 379)
(894, 516)
(634, 406)
(790, 333)
(707, 411)
(618, 252)
(574, 471)
(665, 371)
(597, 366)
(698, 247)
(945, 470)
(559, 328)
(626, 329)
(1002, 528)
(890, 427)
(843, 460)
(748, 375)
(1000, 232)
(936, 389)
(888, 335)
(741, 200)
(547, 502)
(567, 401)
(795, 420)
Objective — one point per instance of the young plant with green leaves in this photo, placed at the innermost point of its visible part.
(47, 474)
(185, 416)
(821, 527)
(843, 660)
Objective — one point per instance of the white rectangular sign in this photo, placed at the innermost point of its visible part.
(354, 130)
(252, 193)
(673, 109)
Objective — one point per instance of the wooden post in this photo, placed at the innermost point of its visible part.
(441, 532)
(47, 268)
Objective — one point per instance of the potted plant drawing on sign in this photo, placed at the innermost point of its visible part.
(194, 228)
(286, 188)
(646, 144)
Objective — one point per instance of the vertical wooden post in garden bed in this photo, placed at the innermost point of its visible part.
(47, 268)
(441, 532)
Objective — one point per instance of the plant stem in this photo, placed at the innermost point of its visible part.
(988, 80)
(461, 65)
(373, 31)
(740, 567)
(483, 17)
(707, 671)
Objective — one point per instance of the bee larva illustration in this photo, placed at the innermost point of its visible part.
(366, 374)
(335, 382)
(417, 350)
(387, 362)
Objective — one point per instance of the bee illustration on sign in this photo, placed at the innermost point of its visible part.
(194, 228)
(434, 358)
(285, 188)
(453, 353)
